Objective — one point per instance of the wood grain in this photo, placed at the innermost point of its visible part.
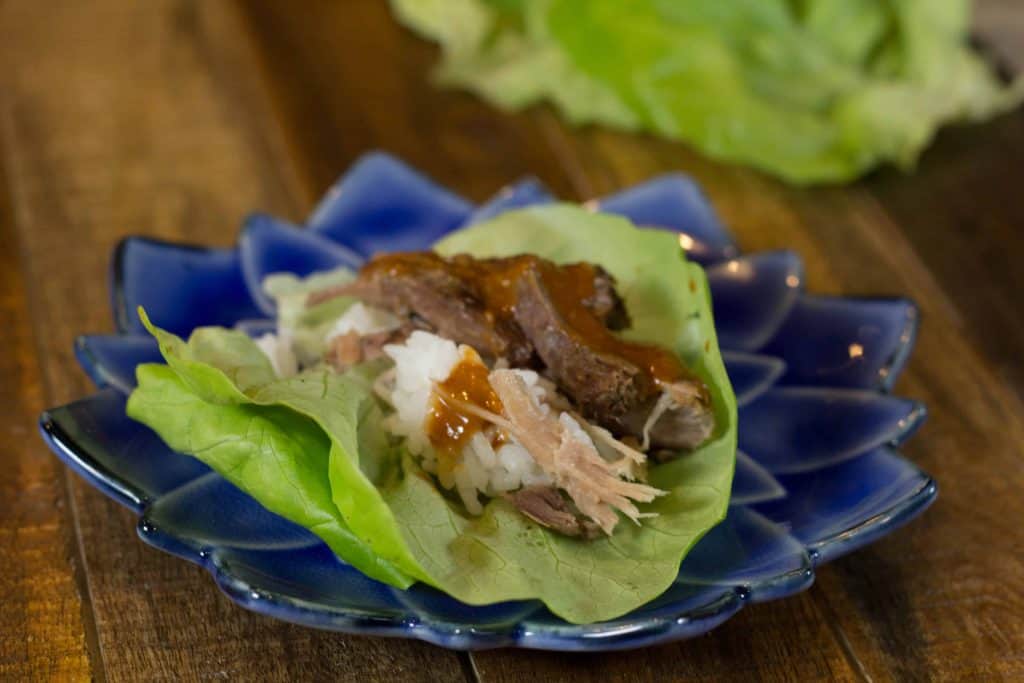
(143, 124)
(42, 631)
(788, 641)
(335, 104)
(959, 215)
(1000, 24)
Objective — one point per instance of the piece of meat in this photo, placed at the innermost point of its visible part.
(691, 419)
(351, 348)
(593, 483)
(608, 388)
(344, 351)
(439, 301)
(373, 344)
(549, 508)
(604, 386)
(606, 303)
(686, 424)
(469, 300)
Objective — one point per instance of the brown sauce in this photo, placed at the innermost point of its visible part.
(568, 289)
(492, 281)
(498, 439)
(450, 429)
(404, 263)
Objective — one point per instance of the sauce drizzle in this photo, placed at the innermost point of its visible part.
(448, 428)
(568, 290)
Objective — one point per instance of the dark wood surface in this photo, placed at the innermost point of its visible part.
(174, 118)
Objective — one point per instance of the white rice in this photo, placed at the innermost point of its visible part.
(278, 350)
(363, 320)
(420, 362)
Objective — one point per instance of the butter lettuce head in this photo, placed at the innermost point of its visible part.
(312, 448)
(809, 90)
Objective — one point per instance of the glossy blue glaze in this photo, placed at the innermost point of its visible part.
(837, 504)
(752, 297)
(383, 205)
(752, 483)
(676, 203)
(438, 606)
(110, 359)
(796, 429)
(174, 282)
(751, 375)
(213, 513)
(752, 553)
(129, 461)
(270, 246)
(529, 192)
(309, 574)
(816, 476)
(839, 342)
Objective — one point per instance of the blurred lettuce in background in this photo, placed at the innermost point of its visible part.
(809, 90)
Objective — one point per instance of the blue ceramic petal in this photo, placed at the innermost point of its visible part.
(751, 375)
(110, 359)
(684, 597)
(212, 512)
(121, 457)
(824, 502)
(269, 246)
(656, 623)
(752, 296)
(310, 575)
(174, 283)
(675, 202)
(797, 429)
(383, 205)
(752, 553)
(436, 606)
(838, 509)
(524, 193)
(834, 341)
(752, 483)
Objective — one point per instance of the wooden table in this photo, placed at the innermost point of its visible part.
(173, 118)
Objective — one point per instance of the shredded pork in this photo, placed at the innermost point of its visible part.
(592, 482)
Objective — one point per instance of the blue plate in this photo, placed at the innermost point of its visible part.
(817, 475)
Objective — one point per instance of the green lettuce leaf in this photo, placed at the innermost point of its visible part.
(277, 455)
(307, 326)
(225, 368)
(810, 90)
(503, 52)
(399, 514)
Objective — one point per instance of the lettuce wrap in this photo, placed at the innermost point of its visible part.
(312, 448)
